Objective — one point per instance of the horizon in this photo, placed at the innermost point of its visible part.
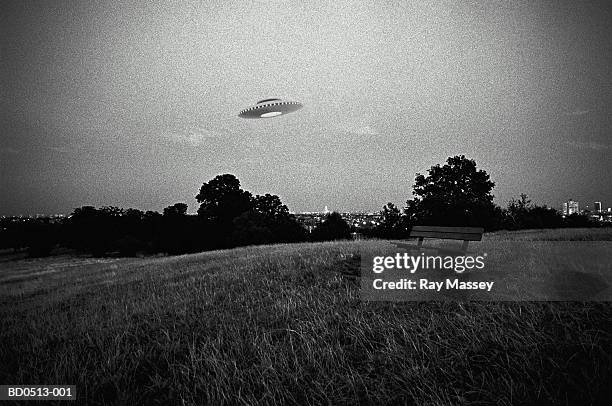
(117, 105)
(192, 209)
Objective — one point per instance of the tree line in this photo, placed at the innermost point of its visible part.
(228, 216)
(454, 194)
(459, 194)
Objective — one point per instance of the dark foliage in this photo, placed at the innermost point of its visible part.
(252, 228)
(268, 221)
(222, 200)
(577, 220)
(521, 214)
(393, 223)
(458, 194)
(333, 227)
(41, 237)
(228, 216)
(455, 194)
(177, 209)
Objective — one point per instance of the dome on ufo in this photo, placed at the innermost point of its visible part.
(267, 108)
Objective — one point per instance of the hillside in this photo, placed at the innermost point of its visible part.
(284, 324)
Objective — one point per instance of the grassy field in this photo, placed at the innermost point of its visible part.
(284, 324)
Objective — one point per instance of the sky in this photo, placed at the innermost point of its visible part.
(135, 104)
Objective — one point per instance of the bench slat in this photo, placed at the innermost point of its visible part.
(446, 235)
(465, 230)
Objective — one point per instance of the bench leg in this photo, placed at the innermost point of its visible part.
(464, 246)
(420, 244)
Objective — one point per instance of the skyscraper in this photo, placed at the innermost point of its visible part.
(570, 207)
(597, 208)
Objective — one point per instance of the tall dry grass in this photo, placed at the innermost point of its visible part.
(284, 324)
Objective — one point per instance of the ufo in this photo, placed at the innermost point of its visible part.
(270, 108)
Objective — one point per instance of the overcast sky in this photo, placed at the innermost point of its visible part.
(136, 105)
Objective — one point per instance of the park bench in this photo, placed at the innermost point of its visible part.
(466, 234)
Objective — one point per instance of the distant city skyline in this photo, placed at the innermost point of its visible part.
(571, 207)
(136, 105)
(598, 206)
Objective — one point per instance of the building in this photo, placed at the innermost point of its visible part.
(570, 207)
(597, 207)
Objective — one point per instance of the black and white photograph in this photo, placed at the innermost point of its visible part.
(314, 202)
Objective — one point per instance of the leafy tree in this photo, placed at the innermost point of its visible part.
(270, 205)
(267, 222)
(84, 212)
(455, 194)
(393, 223)
(134, 214)
(544, 217)
(112, 211)
(518, 207)
(522, 213)
(177, 209)
(577, 220)
(42, 237)
(252, 228)
(85, 224)
(150, 214)
(178, 234)
(333, 227)
(129, 245)
(222, 199)
(287, 229)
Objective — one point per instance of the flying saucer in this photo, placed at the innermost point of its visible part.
(270, 108)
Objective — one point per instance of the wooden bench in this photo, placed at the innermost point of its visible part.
(466, 234)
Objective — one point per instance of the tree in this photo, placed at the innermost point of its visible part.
(178, 233)
(455, 194)
(333, 227)
(270, 205)
(177, 209)
(42, 237)
(518, 208)
(222, 199)
(251, 228)
(87, 230)
(112, 211)
(84, 212)
(545, 217)
(269, 221)
(134, 214)
(393, 223)
(577, 220)
(521, 213)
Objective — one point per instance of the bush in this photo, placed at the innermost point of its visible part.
(333, 227)
(129, 246)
